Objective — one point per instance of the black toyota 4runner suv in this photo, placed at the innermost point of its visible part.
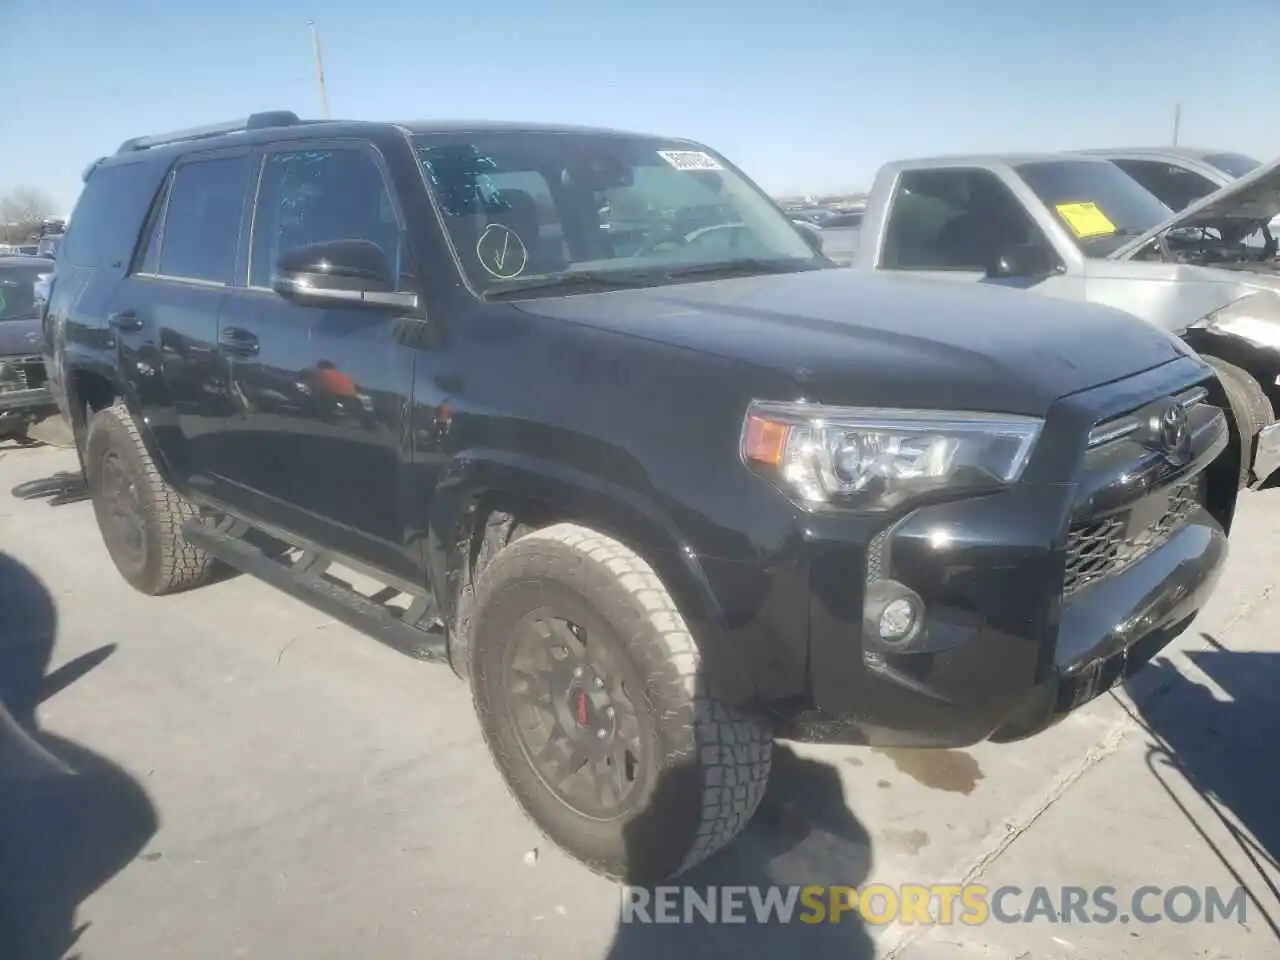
(659, 499)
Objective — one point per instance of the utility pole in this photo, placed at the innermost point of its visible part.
(315, 44)
(1177, 120)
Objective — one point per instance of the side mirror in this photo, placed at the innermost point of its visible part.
(811, 234)
(1023, 260)
(339, 272)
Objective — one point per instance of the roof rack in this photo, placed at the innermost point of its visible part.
(255, 121)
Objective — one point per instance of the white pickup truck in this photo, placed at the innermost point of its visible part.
(1077, 227)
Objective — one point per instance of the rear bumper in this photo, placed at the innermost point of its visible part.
(25, 406)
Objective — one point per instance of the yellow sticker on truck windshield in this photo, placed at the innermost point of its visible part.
(1086, 219)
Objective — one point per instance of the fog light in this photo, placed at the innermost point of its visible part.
(893, 616)
(897, 620)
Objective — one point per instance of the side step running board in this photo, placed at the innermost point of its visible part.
(415, 632)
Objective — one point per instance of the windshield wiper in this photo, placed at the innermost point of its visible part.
(740, 266)
(579, 280)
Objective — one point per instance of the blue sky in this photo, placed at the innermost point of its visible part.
(802, 95)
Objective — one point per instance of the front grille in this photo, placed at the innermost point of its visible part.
(21, 373)
(1103, 547)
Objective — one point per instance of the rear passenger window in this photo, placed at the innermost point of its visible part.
(202, 220)
(105, 222)
(312, 196)
(148, 255)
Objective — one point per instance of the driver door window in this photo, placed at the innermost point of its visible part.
(953, 219)
(312, 196)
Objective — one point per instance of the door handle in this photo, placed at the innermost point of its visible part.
(238, 342)
(126, 321)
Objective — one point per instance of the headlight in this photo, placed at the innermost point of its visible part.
(872, 459)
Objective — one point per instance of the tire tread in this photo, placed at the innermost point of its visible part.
(733, 748)
(181, 565)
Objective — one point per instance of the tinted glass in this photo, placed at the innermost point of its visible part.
(1176, 187)
(148, 253)
(202, 221)
(1099, 204)
(18, 290)
(522, 208)
(952, 219)
(109, 214)
(314, 196)
(1233, 164)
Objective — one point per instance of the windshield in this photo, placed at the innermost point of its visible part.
(1100, 205)
(1233, 164)
(18, 291)
(537, 212)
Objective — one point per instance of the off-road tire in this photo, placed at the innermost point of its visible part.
(1250, 411)
(169, 564)
(708, 760)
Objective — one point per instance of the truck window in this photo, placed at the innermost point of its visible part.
(202, 220)
(1233, 164)
(1099, 205)
(106, 219)
(617, 206)
(1176, 187)
(147, 257)
(313, 196)
(954, 218)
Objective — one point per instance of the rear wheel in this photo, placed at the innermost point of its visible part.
(1250, 411)
(139, 514)
(587, 684)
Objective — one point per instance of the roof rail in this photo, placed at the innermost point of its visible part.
(256, 121)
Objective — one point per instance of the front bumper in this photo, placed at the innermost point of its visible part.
(1015, 636)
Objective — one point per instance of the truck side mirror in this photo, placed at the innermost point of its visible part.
(339, 272)
(1023, 260)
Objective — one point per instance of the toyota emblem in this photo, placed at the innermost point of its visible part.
(1172, 429)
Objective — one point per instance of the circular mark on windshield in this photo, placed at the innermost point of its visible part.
(501, 252)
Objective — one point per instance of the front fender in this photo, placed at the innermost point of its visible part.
(1253, 319)
(478, 478)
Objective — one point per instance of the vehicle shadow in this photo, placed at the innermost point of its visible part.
(1227, 751)
(803, 834)
(69, 819)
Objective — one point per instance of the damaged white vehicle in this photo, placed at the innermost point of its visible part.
(1079, 228)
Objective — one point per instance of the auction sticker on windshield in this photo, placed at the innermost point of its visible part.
(690, 160)
(1086, 220)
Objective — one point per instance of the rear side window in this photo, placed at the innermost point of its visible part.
(202, 220)
(1176, 187)
(109, 214)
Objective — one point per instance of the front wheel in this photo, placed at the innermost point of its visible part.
(587, 684)
(1250, 411)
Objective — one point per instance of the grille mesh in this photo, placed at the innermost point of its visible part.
(1103, 547)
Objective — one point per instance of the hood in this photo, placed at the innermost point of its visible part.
(20, 337)
(885, 340)
(1249, 202)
